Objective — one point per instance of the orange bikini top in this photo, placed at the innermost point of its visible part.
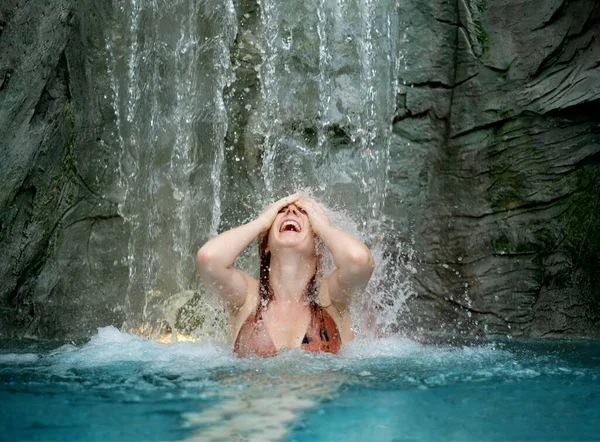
(322, 334)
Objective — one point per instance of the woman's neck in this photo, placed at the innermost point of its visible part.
(289, 276)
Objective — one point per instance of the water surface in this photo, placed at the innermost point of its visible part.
(121, 387)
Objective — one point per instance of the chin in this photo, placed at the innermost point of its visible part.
(304, 245)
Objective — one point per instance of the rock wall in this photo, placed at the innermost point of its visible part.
(60, 276)
(494, 172)
(496, 165)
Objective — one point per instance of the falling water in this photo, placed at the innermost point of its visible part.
(320, 121)
(169, 64)
(328, 82)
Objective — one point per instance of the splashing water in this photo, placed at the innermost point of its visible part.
(205, 147)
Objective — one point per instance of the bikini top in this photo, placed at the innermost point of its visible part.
(322, 334)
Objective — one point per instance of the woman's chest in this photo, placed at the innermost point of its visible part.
(287, 328)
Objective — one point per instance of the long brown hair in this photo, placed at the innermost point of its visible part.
(265, 292)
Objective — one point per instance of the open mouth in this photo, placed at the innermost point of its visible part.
(290, 225)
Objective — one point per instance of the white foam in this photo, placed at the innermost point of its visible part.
(112, 335)
(112, 350)
(383, 347)
(18, 358)
(113, 346)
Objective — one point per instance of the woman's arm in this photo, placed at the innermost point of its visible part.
(352, 258)
(215, 259)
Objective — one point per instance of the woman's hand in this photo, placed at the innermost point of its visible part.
(316, 214)
(216, 257)
(270, 213)
(353, 260)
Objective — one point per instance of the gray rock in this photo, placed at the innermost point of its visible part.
(506, 200)
(61, 271)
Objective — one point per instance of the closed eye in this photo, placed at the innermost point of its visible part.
(302, 210)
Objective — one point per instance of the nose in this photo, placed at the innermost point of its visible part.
(293, 209)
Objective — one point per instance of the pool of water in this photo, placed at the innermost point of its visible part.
(121, 387)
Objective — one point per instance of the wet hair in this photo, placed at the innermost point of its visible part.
(265, 291)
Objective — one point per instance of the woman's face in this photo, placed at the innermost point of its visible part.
(291, 230)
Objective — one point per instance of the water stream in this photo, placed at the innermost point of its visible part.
(169, 66)
(217, 116)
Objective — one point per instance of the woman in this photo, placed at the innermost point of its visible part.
(287, 307)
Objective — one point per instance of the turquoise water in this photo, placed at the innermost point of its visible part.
(121, 387)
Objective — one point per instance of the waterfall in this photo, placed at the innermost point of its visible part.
(194, 129)
(328, 81)
(169, 65)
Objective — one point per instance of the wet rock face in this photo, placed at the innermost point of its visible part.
(497, 165)
(494, 168)
(57, 227)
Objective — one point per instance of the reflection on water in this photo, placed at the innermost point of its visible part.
(121, 387)
(264, 407)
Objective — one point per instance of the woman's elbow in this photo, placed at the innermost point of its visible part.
(203, 258)
(361, 260)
